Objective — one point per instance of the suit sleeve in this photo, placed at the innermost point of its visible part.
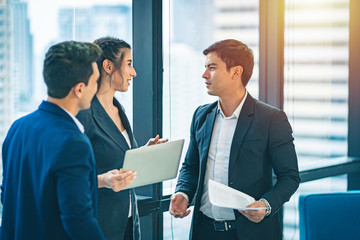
(5, 152)
(74, 176)
(4, 157)
(281, 151)
(189, 173)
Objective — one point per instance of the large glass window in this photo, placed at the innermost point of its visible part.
(316, 77)
(316, 90)
(188, 28)
(29, 28)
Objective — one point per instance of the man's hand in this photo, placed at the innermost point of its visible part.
(156, 140)
(117, 180)
(178, 206)
(255, 216)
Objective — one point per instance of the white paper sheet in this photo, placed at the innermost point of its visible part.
(223, 196)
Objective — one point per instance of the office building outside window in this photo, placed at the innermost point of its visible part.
(316, 52)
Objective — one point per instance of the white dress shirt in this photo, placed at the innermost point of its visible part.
(127, 138)
(217, 167)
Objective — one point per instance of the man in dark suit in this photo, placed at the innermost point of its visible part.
(237, 141)
(49, 177)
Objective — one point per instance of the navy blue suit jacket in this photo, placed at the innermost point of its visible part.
(109, 148)
(262, 143)
(49, 179)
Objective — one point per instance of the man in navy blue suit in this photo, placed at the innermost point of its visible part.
(237, 141)
(49, 179)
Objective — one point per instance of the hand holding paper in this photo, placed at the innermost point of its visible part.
(255, 216)
(223, 196)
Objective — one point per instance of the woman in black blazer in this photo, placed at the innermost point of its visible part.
(111, 136)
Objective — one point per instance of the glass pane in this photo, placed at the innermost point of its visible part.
(316, 87)
(29, 28)
(188, 28)
(177, 228)
(316, 77)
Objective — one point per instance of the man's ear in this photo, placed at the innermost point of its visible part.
(237, 72)
(108, 66)
(78, 89)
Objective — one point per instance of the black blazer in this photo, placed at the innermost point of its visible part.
(109, 148)
(262, 142)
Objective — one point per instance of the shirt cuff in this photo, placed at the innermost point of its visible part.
(184, 195)
(268, 207)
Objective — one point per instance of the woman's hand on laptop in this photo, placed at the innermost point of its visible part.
(156, 140)
(115, 179)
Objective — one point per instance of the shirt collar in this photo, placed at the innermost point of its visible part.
(77, 122)
(237, 111)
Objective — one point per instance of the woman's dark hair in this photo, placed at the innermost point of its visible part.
(113, 50)
(68, 63)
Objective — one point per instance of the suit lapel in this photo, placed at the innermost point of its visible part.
(105, 123)
(243, 124)
(126, 124)
(209, 125)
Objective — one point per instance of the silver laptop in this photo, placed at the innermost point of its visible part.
(155, 163)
